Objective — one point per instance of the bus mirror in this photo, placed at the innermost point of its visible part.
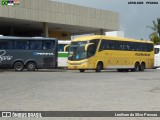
(87, 45)
(65, 48)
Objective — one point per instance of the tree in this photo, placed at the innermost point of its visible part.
(155, 36)
(155, 40)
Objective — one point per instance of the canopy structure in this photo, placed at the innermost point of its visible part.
(54, 19)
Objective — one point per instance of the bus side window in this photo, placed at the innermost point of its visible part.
(149, 47)
(6, 44)
(48, 45)
(3, 44)
(61, 47)
(91, 50)
(156, 50)
(112, 45)
(133, 46)
(35, 45)
(21, 45)
(102, 46)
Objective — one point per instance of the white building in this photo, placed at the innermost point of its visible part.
(115, 33)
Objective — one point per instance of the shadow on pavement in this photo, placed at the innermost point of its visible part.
(39, 70)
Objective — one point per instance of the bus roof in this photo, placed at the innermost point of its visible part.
(84, 38)
(25, 38)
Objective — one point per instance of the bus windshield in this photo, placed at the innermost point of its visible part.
(77, 50)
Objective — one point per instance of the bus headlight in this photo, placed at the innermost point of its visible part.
(77, 63)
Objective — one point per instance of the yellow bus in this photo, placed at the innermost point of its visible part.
(103, 52)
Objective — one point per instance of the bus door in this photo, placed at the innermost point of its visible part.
(49, 60)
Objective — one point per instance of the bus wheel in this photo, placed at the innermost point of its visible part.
(136, 67)
(142, 67)
(18, 66)
(31, 66)
(99, 67)
(82, 70)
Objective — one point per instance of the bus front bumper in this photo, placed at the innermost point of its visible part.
(75, 65)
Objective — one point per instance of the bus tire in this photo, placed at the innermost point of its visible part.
(18, 66)
(136, 67)
(99, 67)
(142, 67)
(31, 66)
(82, 70)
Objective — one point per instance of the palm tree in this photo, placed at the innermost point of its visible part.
(155, 36)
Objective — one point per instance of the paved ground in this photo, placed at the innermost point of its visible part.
(52, 90)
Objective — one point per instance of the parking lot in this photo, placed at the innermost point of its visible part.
(61, 90)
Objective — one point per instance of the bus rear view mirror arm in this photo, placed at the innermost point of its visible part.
(65, 48)
(87, 45)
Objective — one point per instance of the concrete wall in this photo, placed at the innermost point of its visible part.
(61, 13)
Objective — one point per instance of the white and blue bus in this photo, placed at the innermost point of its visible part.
(62, 55)
(28, 53)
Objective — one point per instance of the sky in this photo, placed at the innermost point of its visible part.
(133, 18)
